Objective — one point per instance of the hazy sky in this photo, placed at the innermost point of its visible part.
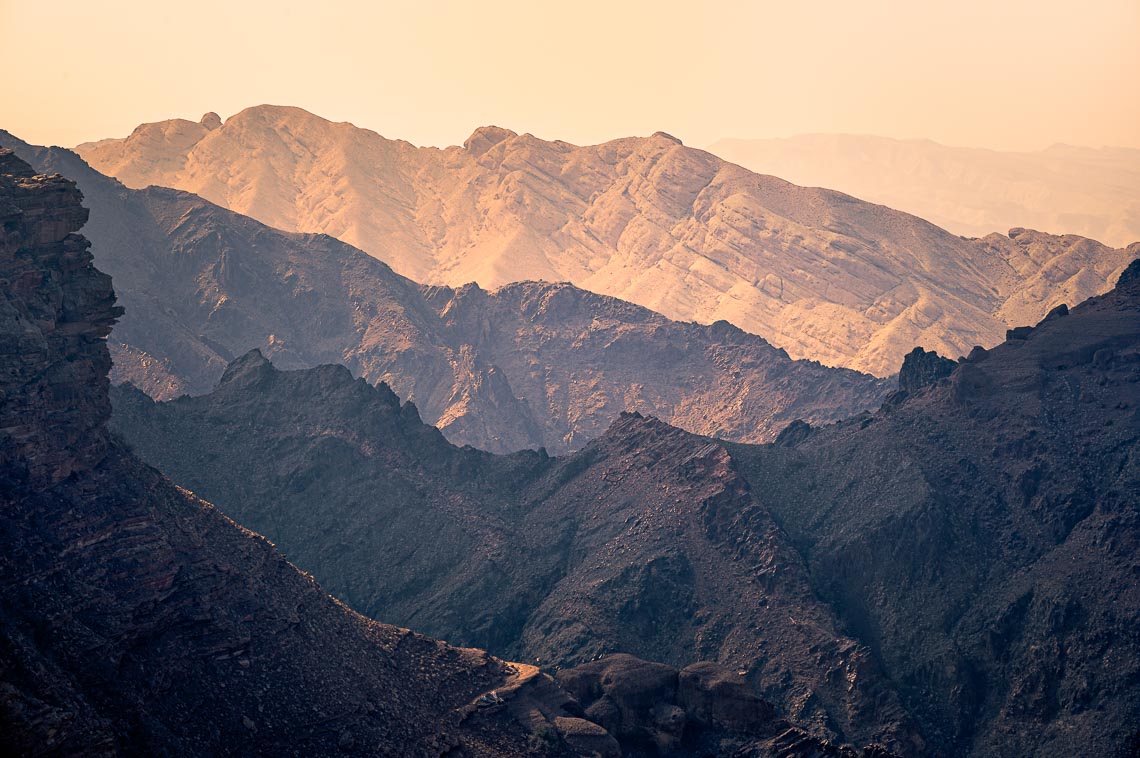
(1011, 74)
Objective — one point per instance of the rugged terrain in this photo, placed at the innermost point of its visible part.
(528, 365)
(1093, 192)
(136, 619)
(645, 542)
(980, 533)
(819, 273)
(954, 574)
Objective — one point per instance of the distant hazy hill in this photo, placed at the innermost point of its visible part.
(816, 272)
(528, 365)
(1063, 189)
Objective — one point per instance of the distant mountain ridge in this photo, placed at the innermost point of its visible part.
(819, 273)
(528, 365)
(1092, 192)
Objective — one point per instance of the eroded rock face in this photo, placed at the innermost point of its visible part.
(135, 619)
(55, 314)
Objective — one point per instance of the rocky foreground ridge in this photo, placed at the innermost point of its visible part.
(819, 273)
(137, 619)
(954, 574)
(528, 365)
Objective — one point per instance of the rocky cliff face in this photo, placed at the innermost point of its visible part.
(55, 312)
(529, 365)
(951, 575)
(819, 273)
(135, 618)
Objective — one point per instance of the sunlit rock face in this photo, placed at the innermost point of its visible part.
(816, 272)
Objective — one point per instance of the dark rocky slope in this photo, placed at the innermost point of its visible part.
(647, 541)
(954, 574)
(529, 365)
(980, 534)
(136, 619)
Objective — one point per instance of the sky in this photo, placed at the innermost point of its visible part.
(1004, 74)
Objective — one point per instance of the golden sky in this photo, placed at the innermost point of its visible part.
(1008, 74)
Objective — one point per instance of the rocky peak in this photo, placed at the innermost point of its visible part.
(55, 312)
(921, 368)
(211, 121)
(1130, 277)
(250, 369)
(486, 137)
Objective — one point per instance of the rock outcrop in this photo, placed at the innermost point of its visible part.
(529, 365)
(702, 710)
(55, 312)
(921, 368)
(819, 273)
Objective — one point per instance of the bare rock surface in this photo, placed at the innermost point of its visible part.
(819, 273)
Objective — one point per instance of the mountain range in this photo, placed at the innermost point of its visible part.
(1064, 189)
(821, 274)
(136, 619)
(950, 575)
(942, 562)
(528, 365)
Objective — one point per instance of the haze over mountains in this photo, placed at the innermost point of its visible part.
(945, 569)
(952, 575)
(530, 365)
(821, 274)
(135, 619)
(1092, 192)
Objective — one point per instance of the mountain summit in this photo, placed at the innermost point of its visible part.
(678, 230)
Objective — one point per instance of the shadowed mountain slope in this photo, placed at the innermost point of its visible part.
(981, 534)
(822, 274)
(528, 365)
(954, 574)
(556, 561)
